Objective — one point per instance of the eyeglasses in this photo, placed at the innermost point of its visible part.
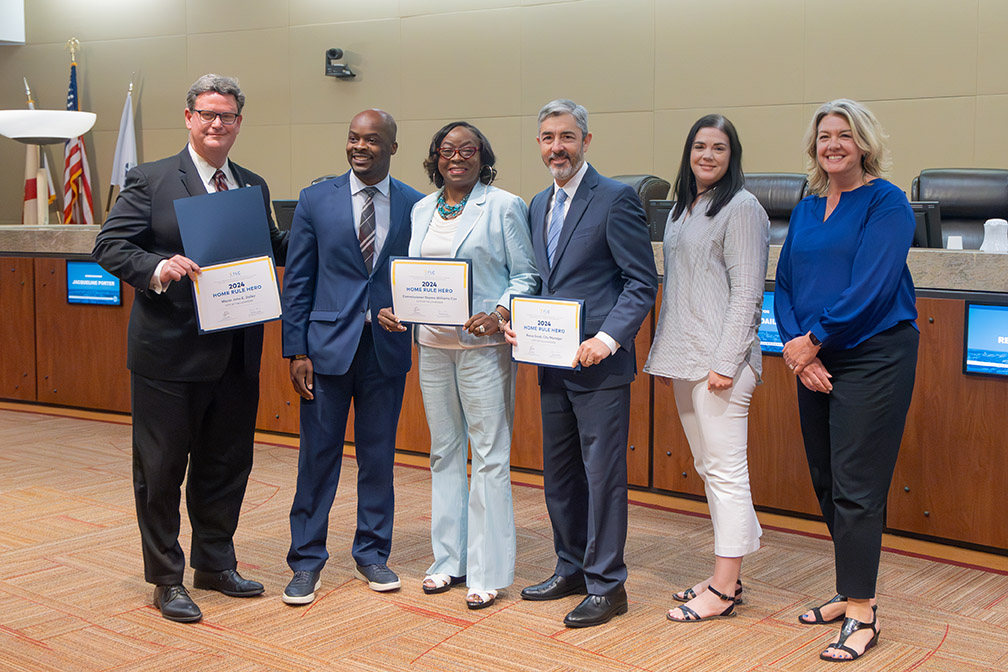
(226, 118)
(466, 152)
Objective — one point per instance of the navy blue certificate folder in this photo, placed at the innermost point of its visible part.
(224, 226)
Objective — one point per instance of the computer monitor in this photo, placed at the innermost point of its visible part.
(658, 212)
(87, 282)
(770, 338)
(929, 229)
(985, 339)
(284, 211)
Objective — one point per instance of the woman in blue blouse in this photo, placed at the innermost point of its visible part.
(845, 309)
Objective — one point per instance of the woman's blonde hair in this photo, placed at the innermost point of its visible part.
(868, 136)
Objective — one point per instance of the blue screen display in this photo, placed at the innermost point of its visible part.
(986, 348)
(770, 339)
(87, 282)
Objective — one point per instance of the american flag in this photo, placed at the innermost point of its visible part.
(78, 207)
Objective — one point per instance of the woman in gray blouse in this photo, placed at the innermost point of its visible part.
(715, 247)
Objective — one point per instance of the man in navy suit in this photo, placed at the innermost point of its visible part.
(194, 396)
(337, 279)
(591, 242)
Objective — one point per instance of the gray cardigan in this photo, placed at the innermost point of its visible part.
(715, 268)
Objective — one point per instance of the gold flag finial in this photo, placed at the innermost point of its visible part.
(73, 44)
(27, 91)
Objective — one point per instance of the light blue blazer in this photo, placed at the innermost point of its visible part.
(493, 231)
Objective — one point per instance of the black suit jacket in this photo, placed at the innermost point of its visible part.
(164, 342)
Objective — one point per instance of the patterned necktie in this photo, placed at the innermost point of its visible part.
(366, 233)
(219, 183)
(556, 223)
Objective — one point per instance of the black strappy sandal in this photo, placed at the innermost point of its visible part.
(850, 626)
(693, 617)
(689, 594)
(819, 620)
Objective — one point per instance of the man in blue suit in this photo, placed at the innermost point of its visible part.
(337, 278)
(591, 242)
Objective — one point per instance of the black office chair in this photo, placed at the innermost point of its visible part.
(967, 197)
(778, 193)
(648, 187)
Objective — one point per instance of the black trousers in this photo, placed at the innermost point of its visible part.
(585, 480)
(208, 427)
(852, 437)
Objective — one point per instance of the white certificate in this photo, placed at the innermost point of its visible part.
(549, 331)
(431, 291)
(236, 294)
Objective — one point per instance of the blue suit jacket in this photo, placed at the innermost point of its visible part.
(327, 289)
(493, 232)
(604, 257)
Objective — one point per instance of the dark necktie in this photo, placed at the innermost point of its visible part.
(366, 233)
(219, 183)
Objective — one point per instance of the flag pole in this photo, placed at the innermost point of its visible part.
(112, 184)
(72, 44)
(35, 179)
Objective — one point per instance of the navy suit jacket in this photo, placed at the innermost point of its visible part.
(604, 257)
(164, 342)
(327, 290)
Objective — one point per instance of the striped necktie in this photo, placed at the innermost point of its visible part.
(219, 183)
(556, 223)
(366, 232)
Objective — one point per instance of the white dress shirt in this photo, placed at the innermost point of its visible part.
(382, 213)
(382, 208)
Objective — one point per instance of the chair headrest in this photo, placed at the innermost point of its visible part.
(975, 193)
(778, 193)
(648, 187)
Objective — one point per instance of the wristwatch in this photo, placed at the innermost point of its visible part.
(500, 318)
(815, 341)
(295, 357)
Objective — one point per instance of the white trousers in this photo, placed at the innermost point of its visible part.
(716, 424)
(469, 400)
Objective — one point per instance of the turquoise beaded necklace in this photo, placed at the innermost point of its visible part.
(450, 211)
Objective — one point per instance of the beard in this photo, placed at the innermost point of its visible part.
(565, 172)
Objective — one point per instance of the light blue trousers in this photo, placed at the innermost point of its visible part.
(469, 399)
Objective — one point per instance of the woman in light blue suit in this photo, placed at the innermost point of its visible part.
(466, 373)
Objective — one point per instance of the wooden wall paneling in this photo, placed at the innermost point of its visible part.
(950, 476)
(279, 404)
(639, 438)
(673, 463)
(526, 438)
(17, 328)
(778, 470)
(81, 349)
(413, 433)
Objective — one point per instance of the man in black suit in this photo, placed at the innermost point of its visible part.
(194, 396)
(591, 242)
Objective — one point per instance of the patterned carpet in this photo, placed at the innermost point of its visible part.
(72, 596)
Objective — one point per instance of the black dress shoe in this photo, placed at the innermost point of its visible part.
(555, 587)
(175, 604)
(228, 582)
(597, 609)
